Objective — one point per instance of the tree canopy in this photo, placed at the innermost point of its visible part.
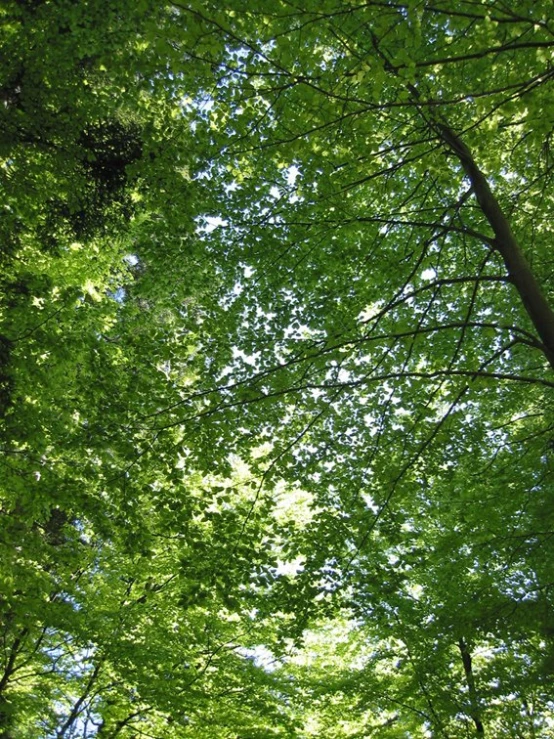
(276, 369)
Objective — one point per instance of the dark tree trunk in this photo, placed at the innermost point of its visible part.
(470, 681)
(519, 271)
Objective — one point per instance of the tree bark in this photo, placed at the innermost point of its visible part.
(475, 712)
(521, 274)
(76, 710)
(5, 720)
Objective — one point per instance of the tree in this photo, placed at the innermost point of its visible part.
(277, 369)
(384, 169)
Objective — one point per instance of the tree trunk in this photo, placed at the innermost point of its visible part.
(5, 719)
(521, 275)
(475, 712)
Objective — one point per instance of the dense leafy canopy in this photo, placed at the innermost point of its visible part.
(276, 369)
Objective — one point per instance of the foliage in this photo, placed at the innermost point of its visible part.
(276, 369)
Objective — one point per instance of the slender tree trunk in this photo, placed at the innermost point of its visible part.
(5, 720)
(475, 712)
(76, 710)
(518, 268)
(521, 274)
